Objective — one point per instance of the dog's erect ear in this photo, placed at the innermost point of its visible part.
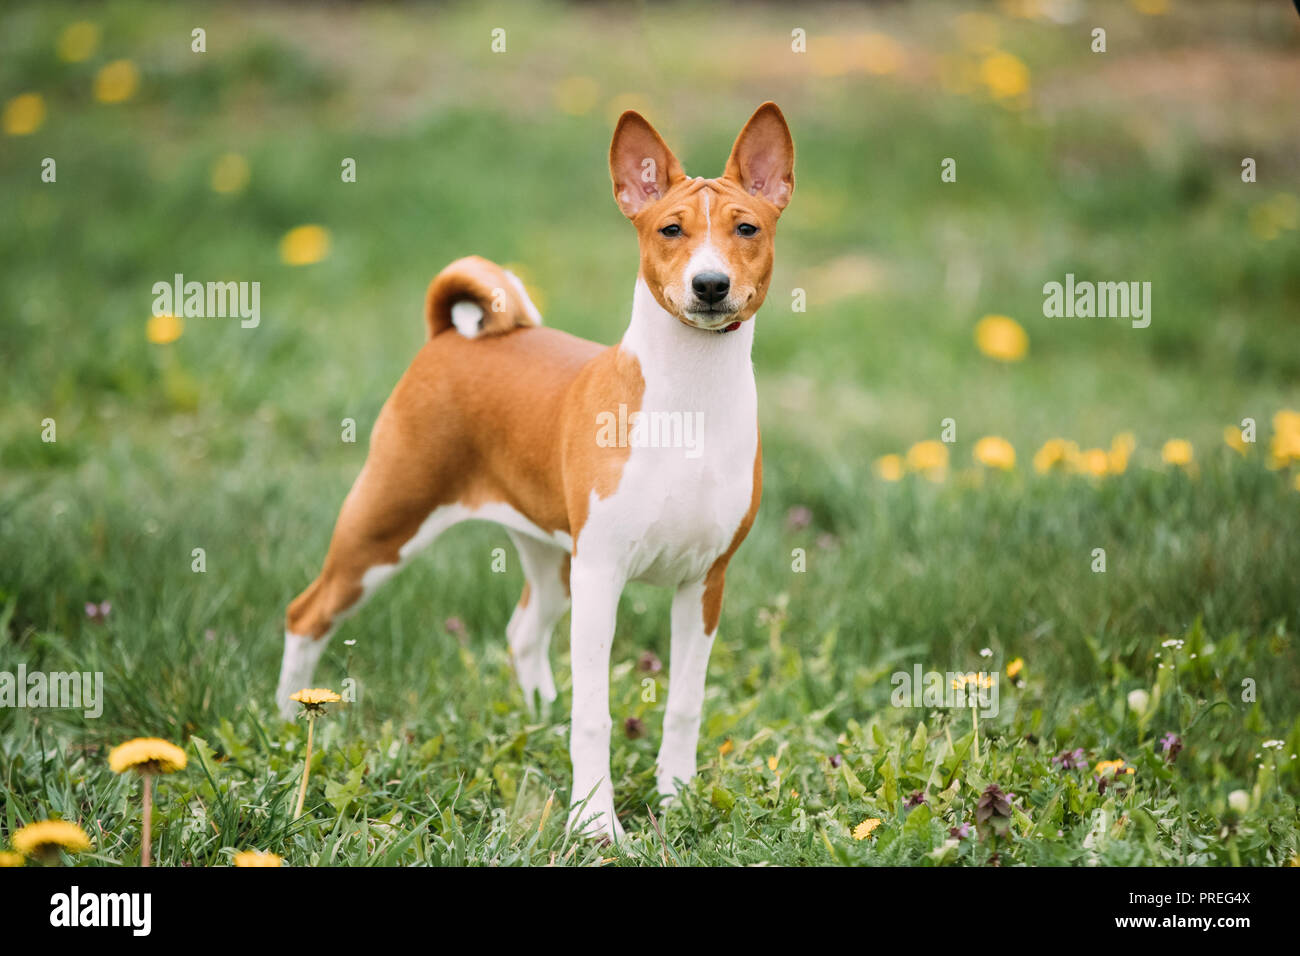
(762, 160)
(640, 163)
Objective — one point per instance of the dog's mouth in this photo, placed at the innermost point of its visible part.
(713, 318)
(707, 321)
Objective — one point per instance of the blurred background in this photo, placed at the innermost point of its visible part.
(225, 165)
(1118, 165)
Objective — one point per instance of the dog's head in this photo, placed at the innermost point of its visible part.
(706, 244)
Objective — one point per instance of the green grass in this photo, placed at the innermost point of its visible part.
(228, 439)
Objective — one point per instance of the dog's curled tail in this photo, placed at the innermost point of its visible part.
(478, 297)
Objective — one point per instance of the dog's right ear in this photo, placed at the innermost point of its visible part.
(640, 163)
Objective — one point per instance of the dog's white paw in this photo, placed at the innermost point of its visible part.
(595, 818)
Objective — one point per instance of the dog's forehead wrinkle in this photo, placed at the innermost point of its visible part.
(721, 194)
(691, 186)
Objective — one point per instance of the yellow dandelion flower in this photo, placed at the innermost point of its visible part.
(1121, 446)
(1094, 461)
(257, 858)
(1111, 768)
(1015, 667)
(24, 114)
(314, 699)
(1287, 420)
(310, 697)
(726, 748)
(78, 42)
(1232, 438)
(305, 245)
(771, 763)
(1177, 451)
(1002, 338)
(994, 452)
(117, 82)
(1005, 75)
(229, 173)
(930, 457)
(576, 95)
(43, 838)
(10, 858)
(1055, 452)
(866, 828)
(1285, 445)
(147, 755)
(162, 329)
(313, 702)
(889, 467)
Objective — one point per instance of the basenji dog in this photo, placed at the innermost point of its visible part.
(558, 440)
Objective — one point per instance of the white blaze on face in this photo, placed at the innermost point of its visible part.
(705, 256)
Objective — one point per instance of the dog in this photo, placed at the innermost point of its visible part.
(500, 418)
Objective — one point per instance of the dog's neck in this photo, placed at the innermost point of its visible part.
(688, 369)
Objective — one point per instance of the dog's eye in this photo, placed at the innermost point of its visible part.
(747, 229)
(671, 231)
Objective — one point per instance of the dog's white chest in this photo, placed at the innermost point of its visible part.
(676, 514)
(689, 477)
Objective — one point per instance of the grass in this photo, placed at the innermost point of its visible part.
(229, 440)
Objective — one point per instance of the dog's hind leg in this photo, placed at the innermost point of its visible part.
(382, 525)
(543, 603)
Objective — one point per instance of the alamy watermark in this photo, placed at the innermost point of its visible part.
(966, 690)
(74, 690)
(655, 429)
(1103, 300)
(209, 300)
(134, 911)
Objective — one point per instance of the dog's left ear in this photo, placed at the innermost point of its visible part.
(762, 160)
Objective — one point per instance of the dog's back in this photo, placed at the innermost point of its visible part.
(480, 421)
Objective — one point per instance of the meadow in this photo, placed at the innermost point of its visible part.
(1148, 712)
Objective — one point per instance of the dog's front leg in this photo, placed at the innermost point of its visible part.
(688, 665)
(595, 589)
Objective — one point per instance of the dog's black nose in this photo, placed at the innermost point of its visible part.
(711, 287)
